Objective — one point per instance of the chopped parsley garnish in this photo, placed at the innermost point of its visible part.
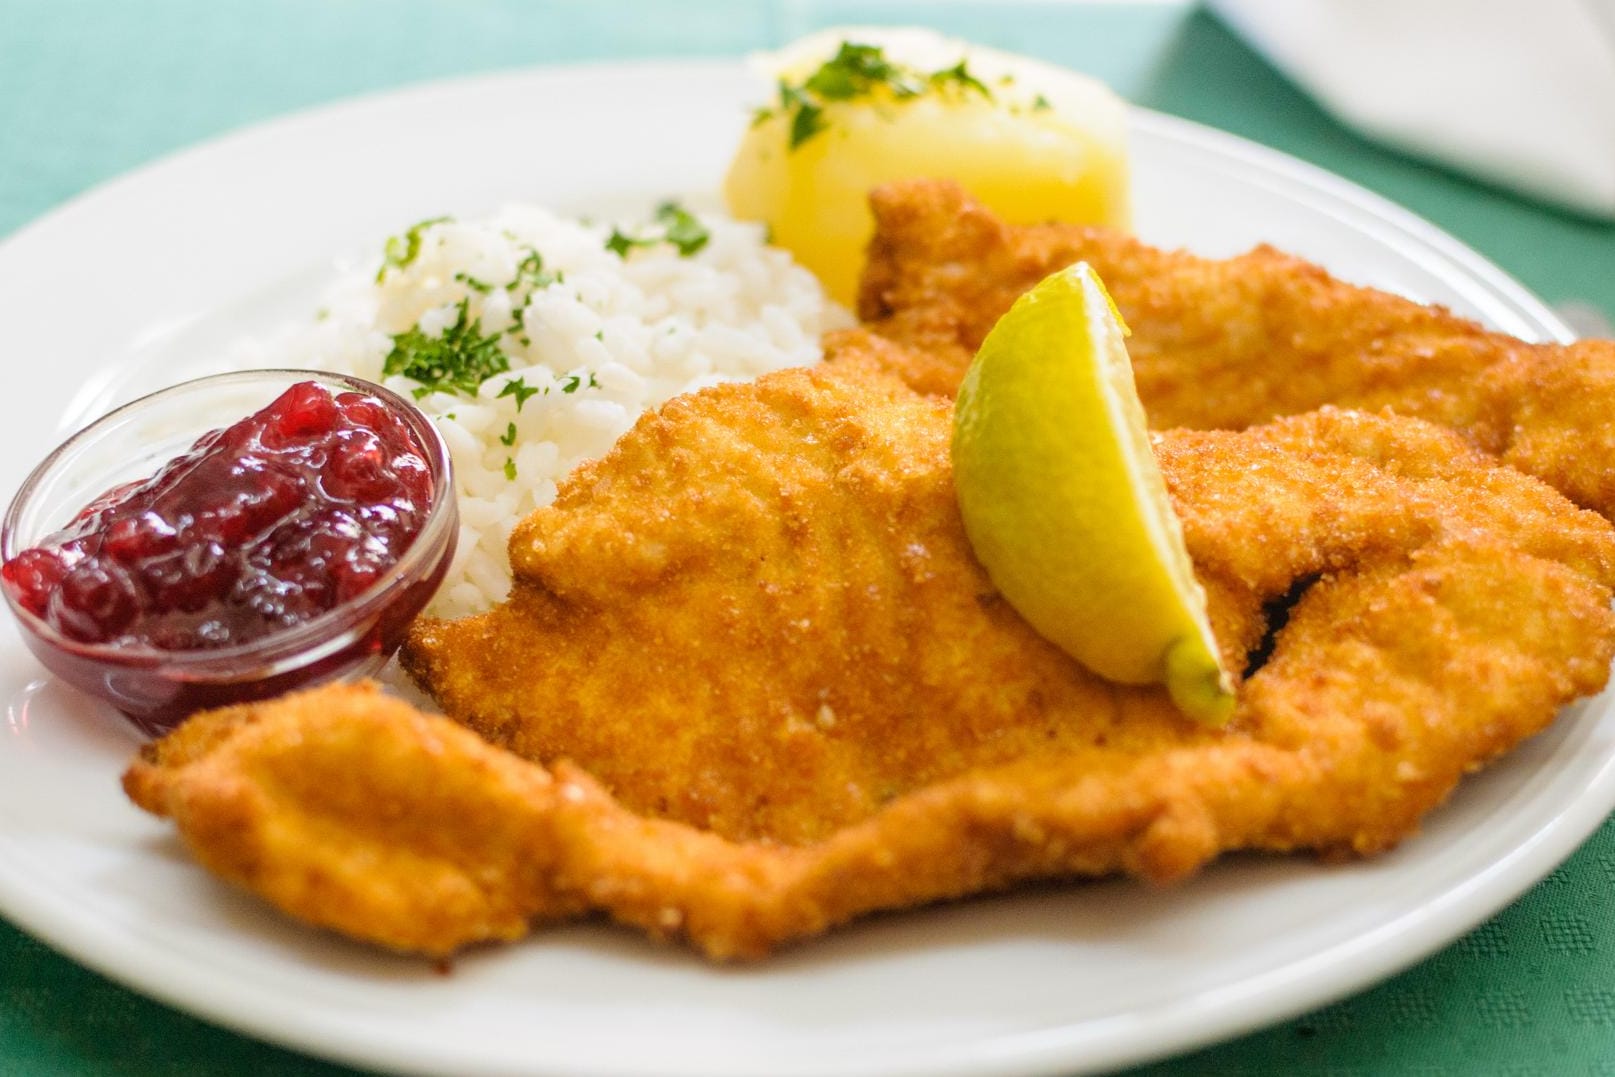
(679, 227)
(510, 469)
(402, 250)
(458, 361)
(518, 388)
(684, 230)
(530, 272)
(573, 382)
(808, 121)
(481, 287)
(855, 69)
(958, 76)
(858, 70)
(531, 275)
(1041, 104)
(509, 436)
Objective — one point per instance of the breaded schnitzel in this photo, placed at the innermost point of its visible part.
(1228, 344)
(764, 686)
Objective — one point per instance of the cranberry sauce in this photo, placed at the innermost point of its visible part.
(261, 526)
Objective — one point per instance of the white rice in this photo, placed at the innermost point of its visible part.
(611, 338)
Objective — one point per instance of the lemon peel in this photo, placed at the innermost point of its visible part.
(1065, 505)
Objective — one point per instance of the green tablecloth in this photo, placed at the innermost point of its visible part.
(90, 88)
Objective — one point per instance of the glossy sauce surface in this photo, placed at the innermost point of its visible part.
(262, 525)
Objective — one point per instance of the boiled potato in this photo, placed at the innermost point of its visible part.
(1032, 141)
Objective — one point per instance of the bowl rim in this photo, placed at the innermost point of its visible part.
(283, 649)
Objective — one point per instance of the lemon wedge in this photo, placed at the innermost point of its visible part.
(1065, 505)
(860, 106)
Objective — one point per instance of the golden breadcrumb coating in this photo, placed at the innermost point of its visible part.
(751, 683)
(1225, 344)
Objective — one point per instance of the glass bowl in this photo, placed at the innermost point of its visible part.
(157, 688)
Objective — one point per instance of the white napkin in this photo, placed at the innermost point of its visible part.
(1518, 92)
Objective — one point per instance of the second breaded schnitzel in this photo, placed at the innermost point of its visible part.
(1225, 344)
(761, 685)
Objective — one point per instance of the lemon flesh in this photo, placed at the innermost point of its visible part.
(1064, 503)
(1043, 144)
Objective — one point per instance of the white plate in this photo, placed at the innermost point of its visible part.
(147, 276)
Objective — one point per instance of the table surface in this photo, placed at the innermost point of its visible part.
(92, 88)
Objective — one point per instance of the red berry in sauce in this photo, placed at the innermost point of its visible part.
(261, 526)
